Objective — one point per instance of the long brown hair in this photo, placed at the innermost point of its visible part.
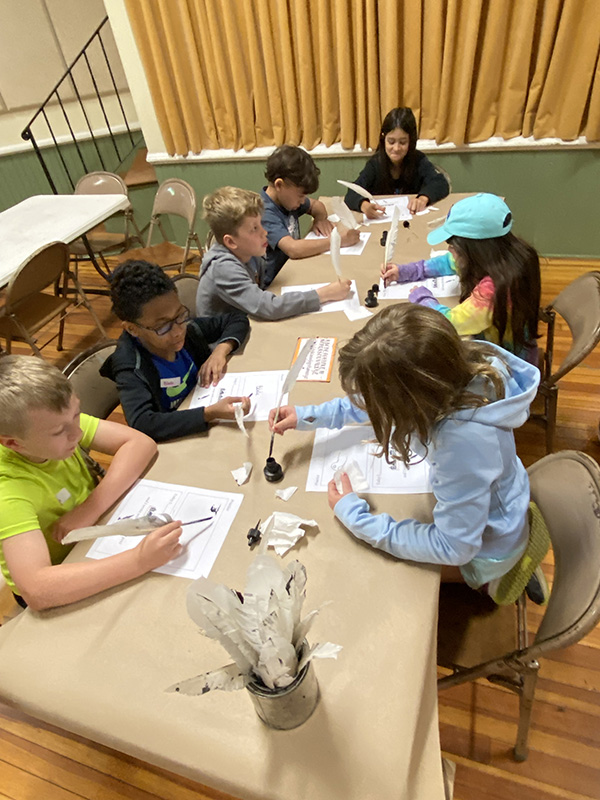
(514, 267)
(404, 119)
(409, 369)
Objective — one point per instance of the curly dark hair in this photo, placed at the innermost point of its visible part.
(293, 164)
(135, 283)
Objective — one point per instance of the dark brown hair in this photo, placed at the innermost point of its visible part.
(404, 119)
(293, 164)
(409, 369)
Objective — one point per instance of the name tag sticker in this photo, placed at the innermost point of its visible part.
(167, 383)
(63, 496)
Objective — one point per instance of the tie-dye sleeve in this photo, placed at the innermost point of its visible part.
(473, 315)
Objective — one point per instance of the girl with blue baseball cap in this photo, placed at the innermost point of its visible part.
(499, 275)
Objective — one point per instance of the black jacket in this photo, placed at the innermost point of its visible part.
(427, 181)
(138, 381)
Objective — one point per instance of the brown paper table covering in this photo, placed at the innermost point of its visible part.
(99, 667)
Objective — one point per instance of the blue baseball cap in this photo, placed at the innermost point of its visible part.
(483, 216)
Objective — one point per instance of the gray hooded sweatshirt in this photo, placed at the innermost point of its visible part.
(227, 284)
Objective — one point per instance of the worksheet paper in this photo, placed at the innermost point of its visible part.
(350, 250)
(442, 286)
(319, 362)
(389, 203)
(202, 541)
(350, 304)
(332, 449)
(262, 387)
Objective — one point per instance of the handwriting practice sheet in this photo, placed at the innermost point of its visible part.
(441, 286)
(263, 388)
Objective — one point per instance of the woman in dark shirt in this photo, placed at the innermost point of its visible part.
(397, 167)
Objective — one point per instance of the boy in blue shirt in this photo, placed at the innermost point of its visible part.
(292, 175)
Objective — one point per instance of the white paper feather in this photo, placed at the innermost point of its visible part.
(228, 679)
(390, 242)
(334, 249)
(344, 214)
(358, 189)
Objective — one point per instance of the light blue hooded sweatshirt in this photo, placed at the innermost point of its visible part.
(480, 485)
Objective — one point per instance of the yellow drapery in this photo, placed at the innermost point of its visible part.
(246, 73)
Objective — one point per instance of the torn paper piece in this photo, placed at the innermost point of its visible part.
(325, 650)
(357, 313)
(285, 494)
(228, 679)
(354, 472)
(238, 410)
(281, 530)
(242, 474)
(333, 218)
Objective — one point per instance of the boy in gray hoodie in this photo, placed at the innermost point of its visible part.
(232, 274)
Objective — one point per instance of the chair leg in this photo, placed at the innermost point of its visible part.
(87, 304)
(526, 695)
(551, 407)
(61, 331)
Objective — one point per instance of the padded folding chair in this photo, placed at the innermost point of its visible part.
(98, 395)
(187, 289)
(28, 308)
(477, 639)
(579, 305)
(99, 239)
(446, 175)
(173, 197)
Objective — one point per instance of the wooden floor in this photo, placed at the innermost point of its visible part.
(477, 721)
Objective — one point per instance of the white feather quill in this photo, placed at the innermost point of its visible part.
(335, 244)
(390, 242)
(347, 218)
(358, 189)
(291, 380)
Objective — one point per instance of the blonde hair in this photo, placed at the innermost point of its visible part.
(409, 369)
(225, 210)
(28, 383)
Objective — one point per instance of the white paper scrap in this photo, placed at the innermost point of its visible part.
(238, 410)
(351, 302)
(263, 386)
(324, 650)
(354, 472)
(242, 474)
(357, 313)
(281, 530)
(227, 679)
(334, 449)
(202, 541)
(442, 286)
(349, 250)
(287, 493)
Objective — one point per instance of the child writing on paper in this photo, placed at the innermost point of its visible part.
(233, 271)
(499, 276)
(430, 394)
(163, 351)
(398, 168)
(46, 490)
(292, 175)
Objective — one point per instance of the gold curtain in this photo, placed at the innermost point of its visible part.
(246, 73)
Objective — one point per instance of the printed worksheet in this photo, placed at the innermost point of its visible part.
(211, 512)
(442, 286)
(351, 303)
(350, 250)
(319, 363)
(332, 449)
(263, 388)
(389, 203)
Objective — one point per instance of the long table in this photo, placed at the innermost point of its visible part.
(99, 667)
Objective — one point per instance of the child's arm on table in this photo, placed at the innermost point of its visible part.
(332, 414)
(305, 248)
(418, 270)
(43, 585)
(318, 212)
(229, 330)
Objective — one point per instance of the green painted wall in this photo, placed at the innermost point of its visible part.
(553, 194)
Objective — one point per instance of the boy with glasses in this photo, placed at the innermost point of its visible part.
(163, 352)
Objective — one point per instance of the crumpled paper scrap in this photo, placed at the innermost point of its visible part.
(242, 474)
(285, 494)
(354, 472)
(359, 312)
(281, 531)
(238, 410)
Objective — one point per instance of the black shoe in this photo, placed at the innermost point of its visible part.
(537, 588)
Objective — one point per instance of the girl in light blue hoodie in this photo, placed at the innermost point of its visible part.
(429, 394)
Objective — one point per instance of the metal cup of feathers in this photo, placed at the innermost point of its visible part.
(264, 632)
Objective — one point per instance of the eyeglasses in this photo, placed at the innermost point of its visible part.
(182, 318)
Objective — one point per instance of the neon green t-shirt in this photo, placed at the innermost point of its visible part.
(33, 496)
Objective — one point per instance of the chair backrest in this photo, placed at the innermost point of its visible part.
(566, 488)
(579, 305)
(443, 172)
(175, 196)
(187, 289)
(101, 183)
(98, 396)
(38, 272)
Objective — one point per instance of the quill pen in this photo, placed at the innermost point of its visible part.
(347, 218)
(358, 189)
(390, 243)
(334, 249)
(290, 380)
